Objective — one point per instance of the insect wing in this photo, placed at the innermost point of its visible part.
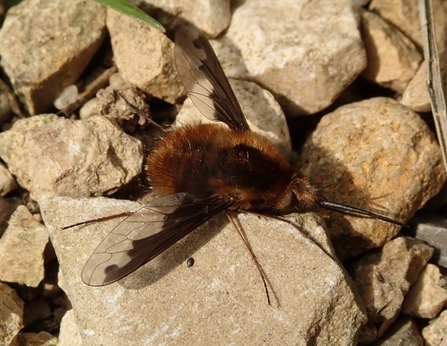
(204, 79)
(145, 234)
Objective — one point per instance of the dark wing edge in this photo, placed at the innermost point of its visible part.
(204, 79)
(145, 234)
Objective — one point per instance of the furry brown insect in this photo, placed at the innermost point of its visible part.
(203, 170)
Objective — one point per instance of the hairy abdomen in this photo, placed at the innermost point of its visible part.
(209, 159)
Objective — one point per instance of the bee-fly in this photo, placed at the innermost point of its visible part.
(202, 170)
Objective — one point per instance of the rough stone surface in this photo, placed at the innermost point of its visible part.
(384, 276)
(432, 229)
(221, 298)
(402, 333)
(120, 101)
(416, 94)
(376, 155)
(404, 14)
(22, 248)
(69, 334)
(34, 50)
(210, 16)
(144, 56)
(7, 182)
(81, 158)
(264, 115)
(41, 338)
(393, 59)
(435, 333)
(11, 312)
(427, 296)
(306, 63)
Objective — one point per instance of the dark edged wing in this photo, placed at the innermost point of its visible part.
(147, 233)
(204, 79)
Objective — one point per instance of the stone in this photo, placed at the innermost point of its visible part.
(403, 333)
(120, 101)
(431, 228)
(384, 276)
(416, 94)
(11, 310)
(7, 182)
(41, 338)
(263, 113)
(404, 14)
(68, 96)
(393, 59)
(434, 334)
(376, 155)
(428, 295)
(22, 248)
(305, 63)
(210, 16)
(145, 57)
(34, 50)
(69, 334)
(312, 298)
(82, 158)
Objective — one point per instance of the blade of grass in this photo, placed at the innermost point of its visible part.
(434, 77)
(131, 10)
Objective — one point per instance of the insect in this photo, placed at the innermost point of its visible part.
(202, 170)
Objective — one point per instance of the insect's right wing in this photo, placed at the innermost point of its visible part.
(146, 233)
(204, 79)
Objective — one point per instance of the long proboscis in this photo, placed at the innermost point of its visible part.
(353, 210)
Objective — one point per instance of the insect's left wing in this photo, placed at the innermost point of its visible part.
(204, 79)
(145, 234)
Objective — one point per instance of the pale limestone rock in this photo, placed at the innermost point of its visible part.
(120, 101)
(402, 333)
(144, 56)
(435, 333)
(41, 338)
(383, 277)
(34, 50)
(22, 248)
(428, 296)
(404, 14)
(69, 334)
(431, 228)
(7, 182)
(170, 302)
(53, 156)
(416, 95)
(392, 58)
(264, 115)
(376, 155)
(11, 310)
(68, 96)
(306, 62)
(210, 16)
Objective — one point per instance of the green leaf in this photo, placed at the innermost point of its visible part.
(131, 10)
(10, 3)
